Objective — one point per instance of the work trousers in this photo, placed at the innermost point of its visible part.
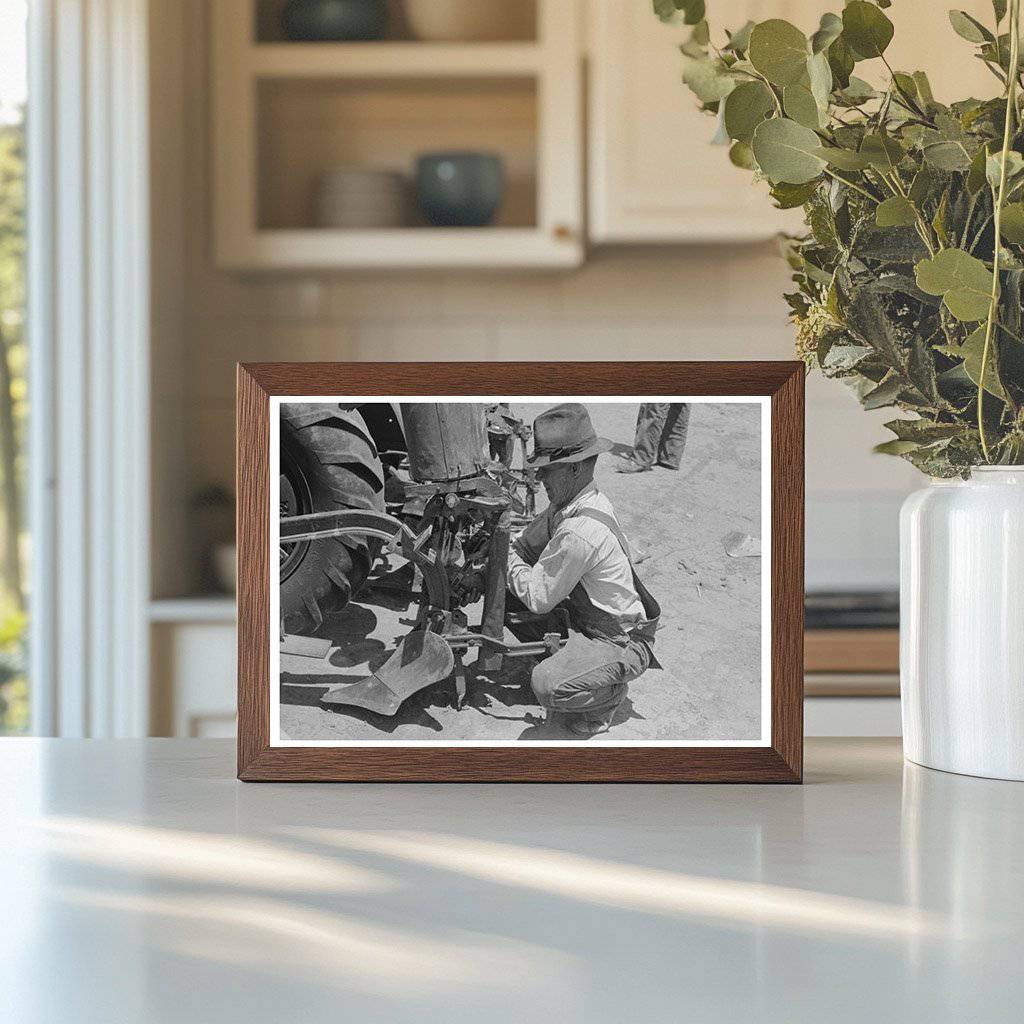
(661, 433)
(587, 674)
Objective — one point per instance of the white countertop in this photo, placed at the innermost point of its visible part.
(140, 882)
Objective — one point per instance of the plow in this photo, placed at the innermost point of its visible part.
(433, 486)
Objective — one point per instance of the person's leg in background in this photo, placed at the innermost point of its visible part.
(650, 424)
(673, 435)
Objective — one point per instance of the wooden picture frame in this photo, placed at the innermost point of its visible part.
(778, 760)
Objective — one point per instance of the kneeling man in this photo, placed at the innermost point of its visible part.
(574, 555)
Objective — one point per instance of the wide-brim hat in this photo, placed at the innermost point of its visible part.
(564, 433)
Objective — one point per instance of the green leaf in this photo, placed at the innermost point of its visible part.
(745, 108)
(868, 319)
(885, 394)
(939, 220)
(857, 91)
(969, 28)
(889, 245)
(947, 156)
(963, 281)
(779, 51)
(921, 371)
(788, 197)
(665, 10)
(976, 174)
(922, 185)
(924, 88)
(971, 352)
(1012, 224)
(819, 74)
(801, 106)
(841, 359)
(787, 151)
(844, 159)
(690, 12)
(721, 136)
(829, 30)
(882, 151)
(993, 166)
(866, 29)
(741, 155)
(923, 431)
(701, 34)
(841, 63)
(895, 447)
(999, 9)
(693, 10)
(905, 84)
(739, 41)
(707, 78)
(895, 212)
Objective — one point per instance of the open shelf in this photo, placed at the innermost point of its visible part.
(308, 127)
(520, 23)
(286, 114)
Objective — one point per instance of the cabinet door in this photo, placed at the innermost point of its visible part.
(654, 176)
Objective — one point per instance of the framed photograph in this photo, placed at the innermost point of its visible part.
(520, 571)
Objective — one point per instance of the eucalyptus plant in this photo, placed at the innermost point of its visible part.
(910, 277)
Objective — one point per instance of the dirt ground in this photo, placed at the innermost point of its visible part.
(709, 642)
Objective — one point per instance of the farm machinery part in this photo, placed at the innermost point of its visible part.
(453, 527)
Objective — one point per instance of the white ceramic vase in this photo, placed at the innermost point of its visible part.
(962, 624)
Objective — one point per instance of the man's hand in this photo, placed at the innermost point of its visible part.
(473, 583)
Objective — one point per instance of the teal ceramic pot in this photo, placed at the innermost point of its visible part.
(460, 189)
(334, 21)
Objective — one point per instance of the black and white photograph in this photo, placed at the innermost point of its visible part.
(520, 570)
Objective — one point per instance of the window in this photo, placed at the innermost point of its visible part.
(14, 695)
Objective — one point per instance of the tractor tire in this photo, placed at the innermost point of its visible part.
(328, 462)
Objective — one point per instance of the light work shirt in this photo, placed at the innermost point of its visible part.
(560, 549)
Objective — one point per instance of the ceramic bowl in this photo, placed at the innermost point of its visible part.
(333, 21)
(470, 20)
(359, 197)
(460, 189)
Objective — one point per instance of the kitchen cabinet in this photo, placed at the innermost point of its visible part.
(288, 114)
(654, 177)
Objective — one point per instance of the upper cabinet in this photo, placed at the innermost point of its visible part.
(654, 176)
(316, 143)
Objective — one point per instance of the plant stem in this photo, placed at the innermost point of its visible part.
(853, 185)
(1011, 108)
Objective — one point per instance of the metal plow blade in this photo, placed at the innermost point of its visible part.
(421, 659)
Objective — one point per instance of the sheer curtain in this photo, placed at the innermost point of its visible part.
(88, 301)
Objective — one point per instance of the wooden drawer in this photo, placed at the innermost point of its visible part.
(852, 650)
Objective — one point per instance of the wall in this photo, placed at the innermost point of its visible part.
(651, 303)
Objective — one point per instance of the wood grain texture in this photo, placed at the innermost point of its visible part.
(781, 762)
(252, 533)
